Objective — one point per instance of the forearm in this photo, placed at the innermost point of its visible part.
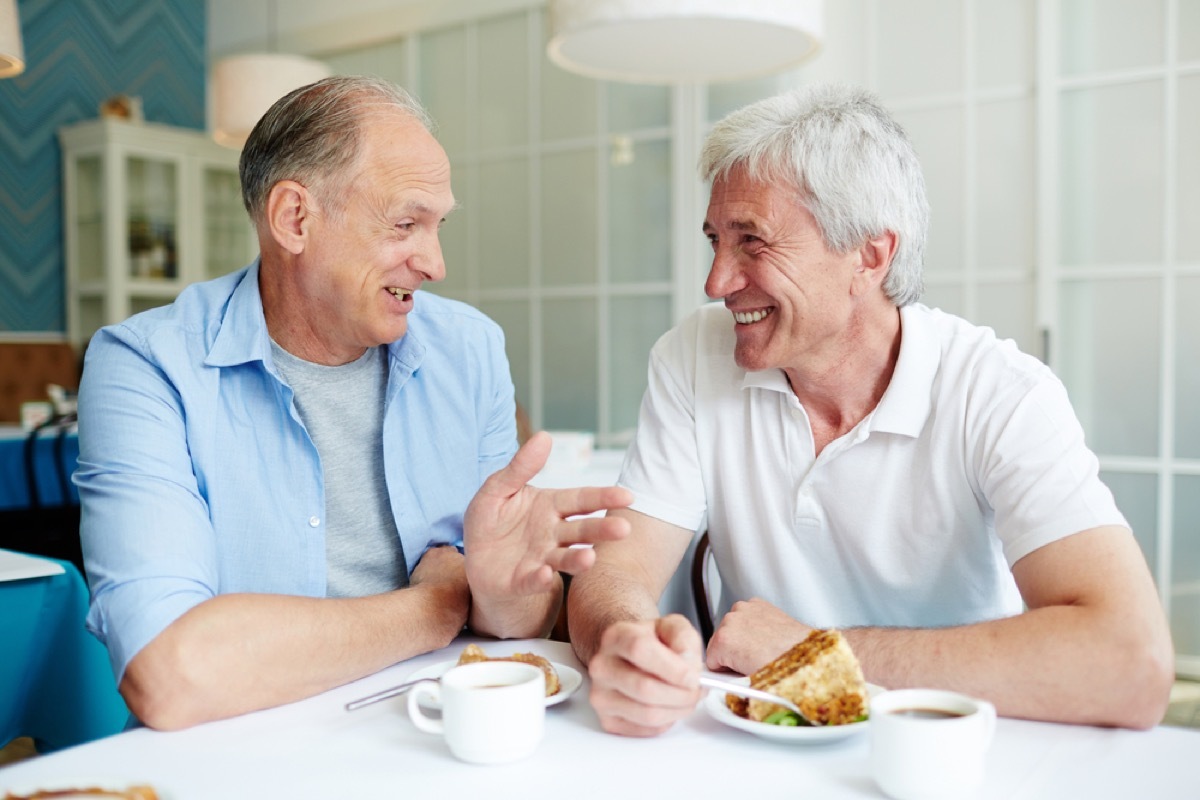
(242, 652)
(1063, 663)
(605, 595)
(516, 616)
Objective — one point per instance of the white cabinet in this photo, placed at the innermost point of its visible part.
(147, 209)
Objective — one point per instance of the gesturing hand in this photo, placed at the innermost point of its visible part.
(518, 537)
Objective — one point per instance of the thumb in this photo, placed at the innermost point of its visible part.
(527, 462)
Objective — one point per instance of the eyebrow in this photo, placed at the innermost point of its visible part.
(736, 225)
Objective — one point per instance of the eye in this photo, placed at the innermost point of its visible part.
(406, 227)
(712, 240)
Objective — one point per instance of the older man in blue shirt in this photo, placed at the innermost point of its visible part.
(277, 469)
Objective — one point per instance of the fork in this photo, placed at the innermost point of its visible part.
(742, 690)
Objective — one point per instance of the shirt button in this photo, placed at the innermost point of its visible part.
(314, 522)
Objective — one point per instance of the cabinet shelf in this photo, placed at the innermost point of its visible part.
(148, 209)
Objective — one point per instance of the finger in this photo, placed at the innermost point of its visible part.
(536, 581)
(652, 665)
(590, 530)
(527, 463)
(589, 499)
(677, 633)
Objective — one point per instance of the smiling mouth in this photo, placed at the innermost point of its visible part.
(402, 294)
(751, 317)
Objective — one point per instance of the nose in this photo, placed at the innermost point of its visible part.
(724, 276)
(428, 260)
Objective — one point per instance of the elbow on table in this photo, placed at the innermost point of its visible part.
(162, 699)
(1146, 681)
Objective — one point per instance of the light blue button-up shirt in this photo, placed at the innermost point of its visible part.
(197, 477)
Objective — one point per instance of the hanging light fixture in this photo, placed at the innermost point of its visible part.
(676, 41)
(12, 52)
(245, 86)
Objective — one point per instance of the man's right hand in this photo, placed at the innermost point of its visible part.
(442, 572)
(645, 676)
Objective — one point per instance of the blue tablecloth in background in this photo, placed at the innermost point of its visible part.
(56, 684)
(14, 488)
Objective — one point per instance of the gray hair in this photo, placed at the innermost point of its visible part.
(852, 165)
(312, 135)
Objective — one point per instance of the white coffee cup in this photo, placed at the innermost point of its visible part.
(492, 711)
(929, 744)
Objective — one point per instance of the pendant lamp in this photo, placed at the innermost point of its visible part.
(245, 86)
(678, 41)
(12, 52)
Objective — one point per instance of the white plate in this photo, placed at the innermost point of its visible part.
(569, 679)
(714, 704)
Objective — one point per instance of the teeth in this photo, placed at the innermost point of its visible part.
(745, 318)
(403, 295)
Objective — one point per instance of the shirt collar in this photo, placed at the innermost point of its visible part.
(906, 403)
(243, 337)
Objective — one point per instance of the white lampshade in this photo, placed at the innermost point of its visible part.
(675, 41)
(245, 86)
(12, 52)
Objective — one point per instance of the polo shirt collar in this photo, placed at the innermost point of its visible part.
(906, 403)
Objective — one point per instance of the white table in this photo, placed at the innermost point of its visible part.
(316, 749)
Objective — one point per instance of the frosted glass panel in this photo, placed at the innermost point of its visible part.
(453, 235)
(947, 297)
(89, 220)
(1187, 369)
(443, 85)
(227, 232)
(634, 325)
(569, 236)
(385, 60)
(937, 134)
(504, 252)
(1110, 34)
(1187, 182)
(1005, 203)
(514, 317)
(569, 336)
(920, 47)
(1185, 566)
(639, 214)
(568, 104)
(1004, 43)
(152, 191)
(1009, 310)
(1110, 362)
(1188, 31)
(632, 106)
(1112, 175)
(724, 98)
(1137, 497)
(502, 113)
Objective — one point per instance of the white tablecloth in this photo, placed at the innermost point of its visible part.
(316, 749)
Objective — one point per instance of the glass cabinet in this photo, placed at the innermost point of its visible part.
(148, 209)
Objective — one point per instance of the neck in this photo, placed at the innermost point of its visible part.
(290, 321)
(843, 389)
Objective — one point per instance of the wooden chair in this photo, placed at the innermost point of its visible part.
(701, 563)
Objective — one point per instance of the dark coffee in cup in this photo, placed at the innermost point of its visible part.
(927, 713)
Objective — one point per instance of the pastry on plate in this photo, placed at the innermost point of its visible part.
(473, 653)
(820, 675)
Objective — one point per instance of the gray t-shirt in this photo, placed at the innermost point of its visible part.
(342, 409)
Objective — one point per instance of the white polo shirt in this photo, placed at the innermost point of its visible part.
(972, 459)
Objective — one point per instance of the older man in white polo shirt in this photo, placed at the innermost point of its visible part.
(861, 461)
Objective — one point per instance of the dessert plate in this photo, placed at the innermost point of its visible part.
(714, 704)
(569, 679)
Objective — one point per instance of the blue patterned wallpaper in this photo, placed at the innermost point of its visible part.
(77, 54)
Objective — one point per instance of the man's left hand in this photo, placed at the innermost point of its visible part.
(753, 633)
(517, 537)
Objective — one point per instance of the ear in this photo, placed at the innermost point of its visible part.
(874, 259)
(289, 210)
